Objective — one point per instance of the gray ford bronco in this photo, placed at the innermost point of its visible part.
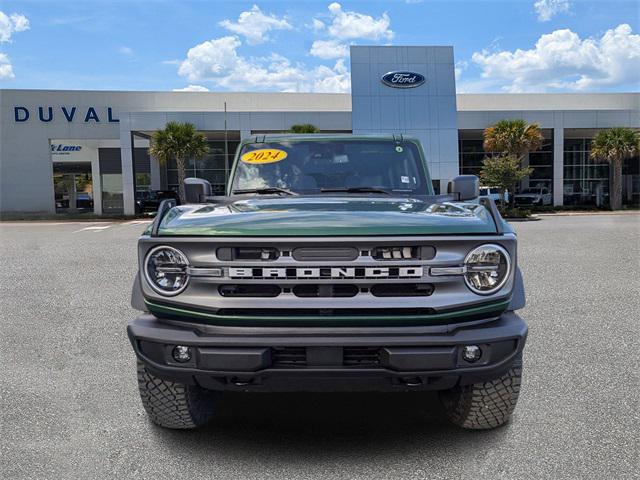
(330, 265)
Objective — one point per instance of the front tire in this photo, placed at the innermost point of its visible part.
(484, 405)
(174, 405)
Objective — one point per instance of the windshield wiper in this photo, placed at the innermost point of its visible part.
(265, 191)
(355, 190)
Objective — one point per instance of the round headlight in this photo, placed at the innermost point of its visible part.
(166, 270)
(486, 269)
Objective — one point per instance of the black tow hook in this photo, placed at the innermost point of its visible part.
(239, 382)
(411, 381)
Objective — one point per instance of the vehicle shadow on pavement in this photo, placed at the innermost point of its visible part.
(333, 423)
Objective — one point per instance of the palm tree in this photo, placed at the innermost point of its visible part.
(514, 139)
(179, 141)
(304, 128)
(614, 146)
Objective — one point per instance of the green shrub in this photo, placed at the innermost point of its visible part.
(304, 128)
(516, 212)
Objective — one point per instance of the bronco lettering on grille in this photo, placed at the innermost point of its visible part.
(326, 272)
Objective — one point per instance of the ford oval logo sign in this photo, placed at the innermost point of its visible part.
(403, 79)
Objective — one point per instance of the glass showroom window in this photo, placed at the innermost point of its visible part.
(542, 163)
(631, 182)
(472, 154)
(212, 167)
(142, 169)
(586, 181)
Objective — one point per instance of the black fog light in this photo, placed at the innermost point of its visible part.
(181, 353)
(471, 353)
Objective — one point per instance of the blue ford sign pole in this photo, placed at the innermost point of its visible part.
(402, 79)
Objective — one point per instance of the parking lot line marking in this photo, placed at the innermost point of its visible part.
(137, 222)
(36, 223)
(94, 228)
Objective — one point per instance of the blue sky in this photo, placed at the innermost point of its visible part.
(500, 46)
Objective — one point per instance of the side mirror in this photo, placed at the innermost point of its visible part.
(466, 186)
(196, 190)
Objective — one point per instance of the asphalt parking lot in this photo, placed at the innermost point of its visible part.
(70, 406)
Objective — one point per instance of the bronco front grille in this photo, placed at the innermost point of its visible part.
(286, 281)
(249, 290)
(325, 290)
(327, 254)
(338, 273)
(289, 272)
(402, 290)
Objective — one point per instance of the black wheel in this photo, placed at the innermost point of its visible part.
(484, 405)
(174, 405)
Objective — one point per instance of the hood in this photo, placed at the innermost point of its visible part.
(327, 216)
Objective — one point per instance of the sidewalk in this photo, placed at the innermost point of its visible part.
(570, 213)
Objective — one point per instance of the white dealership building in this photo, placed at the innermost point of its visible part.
(69, 151)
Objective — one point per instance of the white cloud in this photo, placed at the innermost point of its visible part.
(218, 61)
(562, 60)
(255, 24)
(10, 24)
(6, 70)
(125, 51)
(331, 80)
(347, 25)
(327, 49)
(460, 67)
(210, 59)
(192, 88)
(547, 9)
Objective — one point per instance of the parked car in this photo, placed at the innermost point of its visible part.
(149, 201)
(494, 193)
(537, 196)
(330, 265)
(84, 200)
(62, 200)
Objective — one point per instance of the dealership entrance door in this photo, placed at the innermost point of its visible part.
(73, 187)
(87, 176)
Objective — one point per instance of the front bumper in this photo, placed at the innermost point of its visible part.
(328, 358)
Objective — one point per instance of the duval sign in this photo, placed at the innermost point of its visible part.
(402, 79)
(47, 114)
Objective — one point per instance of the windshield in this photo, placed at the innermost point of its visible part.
(313, 166)
(535, 191)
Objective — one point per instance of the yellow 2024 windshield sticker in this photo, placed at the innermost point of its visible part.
(264, 155)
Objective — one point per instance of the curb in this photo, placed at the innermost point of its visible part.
(532, 218)
(577, 214)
